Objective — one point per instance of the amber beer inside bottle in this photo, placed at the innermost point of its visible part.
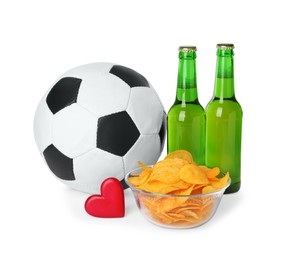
(224, 120)
(186, 118)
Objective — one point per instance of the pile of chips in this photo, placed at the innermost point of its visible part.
(179, 175)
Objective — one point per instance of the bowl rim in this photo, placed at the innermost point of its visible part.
(133, 188)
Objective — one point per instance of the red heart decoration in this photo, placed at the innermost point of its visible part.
(110, 204)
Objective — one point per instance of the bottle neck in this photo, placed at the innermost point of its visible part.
(187, 84)
(224, 83)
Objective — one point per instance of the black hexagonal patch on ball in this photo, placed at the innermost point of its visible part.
(63, 93)
(131, 77)
(59, 164)
(117, 133)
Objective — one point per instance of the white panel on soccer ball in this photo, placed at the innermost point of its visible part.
(146, 149)
(145, 109)
(42, 125)
(74, 130)
(88, 70)
(92, 168)
(104, 94)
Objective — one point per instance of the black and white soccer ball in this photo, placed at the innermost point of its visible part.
(97, 121)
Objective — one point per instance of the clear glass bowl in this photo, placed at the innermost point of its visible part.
(176, 211)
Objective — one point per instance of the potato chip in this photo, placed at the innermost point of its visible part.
(159, 187)
(219, 183)
(190, 213)
(168, 203)
(175, 162)
(166, 174)
(181, 154)
(146, 168)
(211, 173)
(142, 178)
(208, 189)
(186, 191)
(191, 173)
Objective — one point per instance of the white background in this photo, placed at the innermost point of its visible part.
(39, 40)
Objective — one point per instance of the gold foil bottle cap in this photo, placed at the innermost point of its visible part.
(187, 48)
(225, 46)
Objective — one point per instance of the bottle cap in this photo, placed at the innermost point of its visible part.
(188, 48)
(225, 46)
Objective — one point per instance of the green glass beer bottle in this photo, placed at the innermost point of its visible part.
(186, 118)
(224, 120)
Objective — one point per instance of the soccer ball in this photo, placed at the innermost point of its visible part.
(97, 121)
